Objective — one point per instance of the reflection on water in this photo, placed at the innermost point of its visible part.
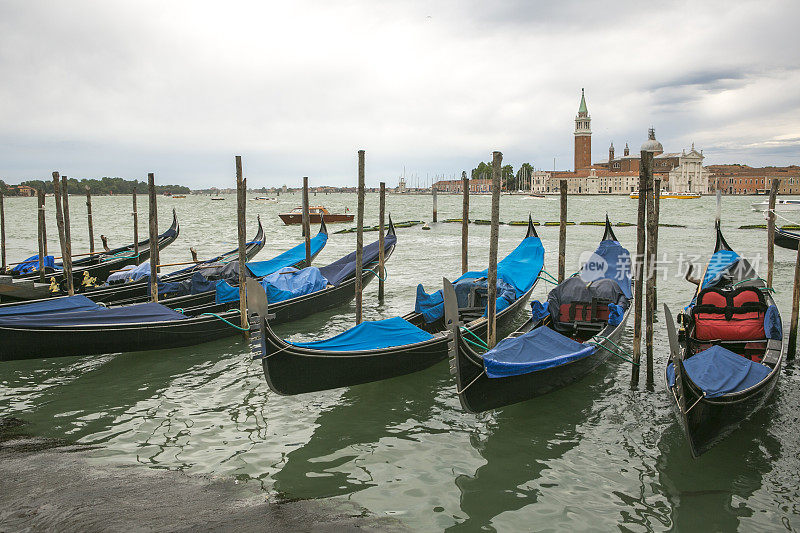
(593, 456)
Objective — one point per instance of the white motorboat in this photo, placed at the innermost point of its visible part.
(780, 205)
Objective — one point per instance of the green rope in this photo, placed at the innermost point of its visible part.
(612, 351)
(754, 279)
(476, 344)
(549, 281)
(552, 277)
(484, 345)
(386, 273)
(231, 324)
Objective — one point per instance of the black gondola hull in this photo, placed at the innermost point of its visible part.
(786, 239)
(30, 343)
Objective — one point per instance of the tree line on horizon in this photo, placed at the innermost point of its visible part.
(511, 181)
(96, 186)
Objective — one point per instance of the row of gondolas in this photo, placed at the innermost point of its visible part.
(725, 352)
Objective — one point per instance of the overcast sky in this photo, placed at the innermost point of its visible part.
(177, 88)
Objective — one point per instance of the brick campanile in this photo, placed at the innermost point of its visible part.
(583, 136)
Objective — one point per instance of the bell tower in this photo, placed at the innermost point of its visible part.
(583, 136)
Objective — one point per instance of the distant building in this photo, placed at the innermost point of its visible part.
(476, 185)
(24, 190)
(742, 179)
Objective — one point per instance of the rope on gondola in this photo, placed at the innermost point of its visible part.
(695, 403)
(482, 345)
(385, 273)
(755, 279)
(231, 324)
(783, 217)
(612, 351)
(552, 277)
(462, 391)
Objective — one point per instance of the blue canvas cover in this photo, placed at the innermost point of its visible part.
(197, 284)
(288, 258)
(615, 314)
(372, 335)
(130, 273)
(224, 292)
(31, 264)
(517, 271)
(290, 283)
(539, 310)
(129, 314)
(431, 306)
(718, 371)
(609, 261)
(538, 349)
(78, 302)
(345, 267)
(772, 323)
(718, 265)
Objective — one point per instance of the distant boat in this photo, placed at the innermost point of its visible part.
(265, 199)
(179, 196)
(780, 205)
(295, 216)
(218, 198)
(672, 195)
(534, 197)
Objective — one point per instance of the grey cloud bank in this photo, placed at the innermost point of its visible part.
(178, 88)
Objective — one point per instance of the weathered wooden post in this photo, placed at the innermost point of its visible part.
(464, 223)
(41, 232)
(381, 238)
(89, 215)
(66, 259)
(3, 233)
(773, 194)
(135, 227)
(151, 189)
(657, 211)
(494, 237)
(306, 222)
(792, 348)
(435, 207)
(360, 236)
(241, 197)
(562, 233)
(650, 285)
(67, 231)
(645, 170)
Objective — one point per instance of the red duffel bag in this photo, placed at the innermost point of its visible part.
(729, 315)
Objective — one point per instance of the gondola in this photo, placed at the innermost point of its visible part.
(76, 325)
(99, 266)
(786, 239)
(725, 358)
(565, 339)
(376, 350)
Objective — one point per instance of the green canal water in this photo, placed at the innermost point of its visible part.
(594, 456)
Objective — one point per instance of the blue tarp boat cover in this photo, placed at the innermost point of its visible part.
(197, 284)
(102, 316)
(574, 289)
(719, 264)
(31, 264)
(340, 270)
(230, 255)
(718, 371)
(773, 328)
(130, 273)
(372, 336)
(288, 258)
(610, 261)
(78, 302)
(538, 349)
(517, 271)
(282, 285)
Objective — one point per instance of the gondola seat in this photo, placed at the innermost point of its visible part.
(582, 308)
(729, 315)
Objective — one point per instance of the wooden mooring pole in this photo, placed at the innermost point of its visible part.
(66, 260)
(3, 233)
(241, 206)
(40, 230)
(89, 216)
(792, 348)
(435, 206)
(645, 170)
(494, 237)
(360, 237)
(562, 233)
(151, 190)
(135, 228)
(67, 233)
(465, 223)
(656, 214)
(306, 222)
(773, 195)
(381, 238)
(651, 284)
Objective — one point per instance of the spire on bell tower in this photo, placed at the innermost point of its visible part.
(583, 136)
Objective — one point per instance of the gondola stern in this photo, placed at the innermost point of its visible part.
(608, 234)
(721, 243)
(391, 230)
(323, 229)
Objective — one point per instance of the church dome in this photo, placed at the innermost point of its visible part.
(651, 144)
